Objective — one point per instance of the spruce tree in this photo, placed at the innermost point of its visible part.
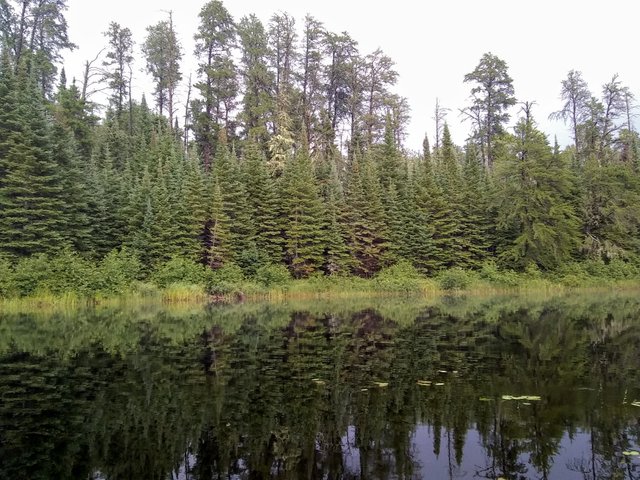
(533, 202)
(192, 212)
(365, 219)
(235, 202)
(424, 215)
(336, 254)
(31, 202)
(219, 236)
(264, 204)
(476, 213)
(303, 212)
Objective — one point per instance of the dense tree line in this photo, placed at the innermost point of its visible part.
(291, 152)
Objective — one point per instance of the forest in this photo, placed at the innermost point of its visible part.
(288, 158)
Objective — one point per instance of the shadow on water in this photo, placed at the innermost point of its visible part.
(511, 388)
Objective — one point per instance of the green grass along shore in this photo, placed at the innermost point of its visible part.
(178, 282)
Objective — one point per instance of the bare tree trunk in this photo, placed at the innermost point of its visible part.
(186, 121)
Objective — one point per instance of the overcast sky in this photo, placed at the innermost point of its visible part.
(434, 44)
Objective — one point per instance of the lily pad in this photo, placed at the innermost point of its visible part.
(424, 383)
(439, 384)
(382, 384)
(528, 398)
(631, 453)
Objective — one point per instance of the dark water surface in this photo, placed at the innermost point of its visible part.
(478, 388)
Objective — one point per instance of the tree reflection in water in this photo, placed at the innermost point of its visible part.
(325, 391)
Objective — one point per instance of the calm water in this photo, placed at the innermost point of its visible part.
(364, 389)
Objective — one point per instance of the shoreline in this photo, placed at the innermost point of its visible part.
(307, 290)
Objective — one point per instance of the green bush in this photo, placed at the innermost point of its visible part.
(618, 269)
(69, 273)
(454, 279)
(179, 270)
(224, 280)
(401, 277)
(251, 259)
(30, 275)
(492, 274)
(272, 275)
(117, 272)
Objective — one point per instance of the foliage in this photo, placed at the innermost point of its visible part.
(117, 272)
(291, 155)
(455, 279)
(272, 275)
(224, 280)
(179, 270)
(400, 277)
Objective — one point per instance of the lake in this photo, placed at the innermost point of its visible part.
(499, 388)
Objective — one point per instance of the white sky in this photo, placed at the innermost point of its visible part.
(434, 43)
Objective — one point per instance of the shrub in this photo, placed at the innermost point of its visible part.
(30, 274)
(224, 280)
(272, 275)
(401, 277)
(454, 279)
(251, 259)
(179, 270)
(491, 273)
(117, 272)
(67, 273)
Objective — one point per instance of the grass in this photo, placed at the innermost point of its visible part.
(449, 283)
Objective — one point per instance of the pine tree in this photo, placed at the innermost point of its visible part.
(219, 235)
(191, 216)
(235, 202)
(264, 204)
(610, 211)
(31, 203)
(304, 212)
(365, 219)
(425, 214)
(533, 202)
(336, 254)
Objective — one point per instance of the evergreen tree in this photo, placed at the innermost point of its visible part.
(74, 190)
(31, 202)
(193, 211)
(490, 99)
(259, 83)
(533, 202)
(264, 204)
(218, 86)
(235, 202)
(477, 217)
(303, 211)
(163, 54)
(365, 219)
(219, 235)
(336, 254)
(118, 65)
(428, 234)
(611, 211)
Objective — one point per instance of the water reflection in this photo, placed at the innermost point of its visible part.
(491, 388)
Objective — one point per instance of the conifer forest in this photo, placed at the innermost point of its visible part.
(289, 153)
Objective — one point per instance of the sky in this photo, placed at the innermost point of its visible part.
(434, 44)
